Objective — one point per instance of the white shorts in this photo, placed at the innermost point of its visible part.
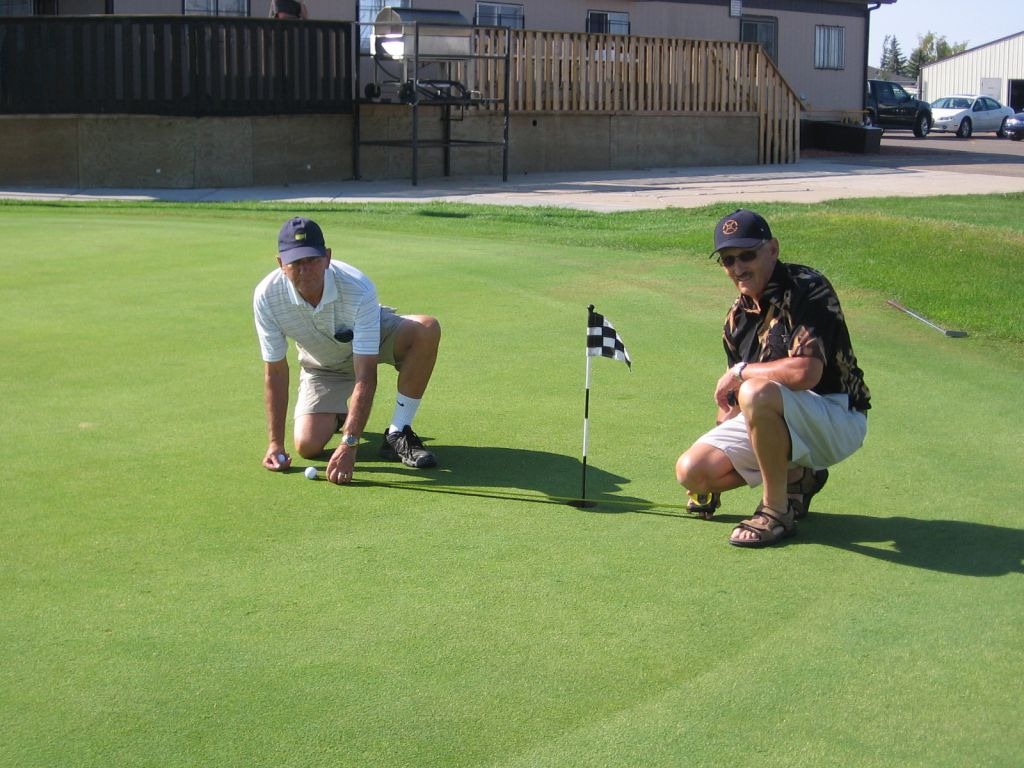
(823, 431)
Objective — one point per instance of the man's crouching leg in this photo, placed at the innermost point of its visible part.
(313, 431)
(705, 472)
(415, 349)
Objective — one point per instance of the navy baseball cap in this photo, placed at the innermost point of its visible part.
(300, 239)
(741, 229)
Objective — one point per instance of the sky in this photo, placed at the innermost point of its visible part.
(975, 22)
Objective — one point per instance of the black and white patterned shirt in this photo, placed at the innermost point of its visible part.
(798, 315)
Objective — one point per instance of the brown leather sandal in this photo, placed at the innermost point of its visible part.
(812, 481)
(768, 525)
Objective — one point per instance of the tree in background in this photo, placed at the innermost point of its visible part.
(893, 61)
(931, 47)
(918, 58)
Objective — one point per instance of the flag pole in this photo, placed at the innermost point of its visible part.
(582, 501)
(586, 431)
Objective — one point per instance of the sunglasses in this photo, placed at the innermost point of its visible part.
(745, 256)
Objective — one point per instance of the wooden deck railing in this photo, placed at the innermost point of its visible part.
(173, 65)
(575, 72)
(225, 66)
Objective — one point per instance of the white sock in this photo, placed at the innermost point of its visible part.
(405, 412)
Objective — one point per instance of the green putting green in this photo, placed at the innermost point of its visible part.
(168, 602)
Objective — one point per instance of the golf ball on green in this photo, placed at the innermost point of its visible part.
(311, 473)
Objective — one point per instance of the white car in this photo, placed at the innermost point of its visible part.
(964, 115)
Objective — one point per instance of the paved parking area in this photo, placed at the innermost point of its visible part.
(982, 153)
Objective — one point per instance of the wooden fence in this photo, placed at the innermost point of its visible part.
(596, 73)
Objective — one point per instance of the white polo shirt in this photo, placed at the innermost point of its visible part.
(349, 303)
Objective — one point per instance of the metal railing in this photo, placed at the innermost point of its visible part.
(185, 66)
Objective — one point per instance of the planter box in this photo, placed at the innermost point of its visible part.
(841, 137)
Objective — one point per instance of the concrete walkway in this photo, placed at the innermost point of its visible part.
(810, 180)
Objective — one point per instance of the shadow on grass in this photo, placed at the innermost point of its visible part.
(949, 546)
(515, 474)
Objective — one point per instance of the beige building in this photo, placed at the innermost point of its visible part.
(614, 85)
(819, 46)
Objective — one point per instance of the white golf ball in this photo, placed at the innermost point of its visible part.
(281, 458)
(311, 473)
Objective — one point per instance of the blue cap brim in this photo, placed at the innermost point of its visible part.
(302, 252)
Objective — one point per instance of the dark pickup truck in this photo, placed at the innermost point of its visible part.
(887, 105)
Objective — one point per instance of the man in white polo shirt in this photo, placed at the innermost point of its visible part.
(341, 333)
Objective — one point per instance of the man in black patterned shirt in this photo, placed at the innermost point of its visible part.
(792, 400)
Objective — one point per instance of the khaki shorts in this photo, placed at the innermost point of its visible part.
(327, 391)
(822, 431)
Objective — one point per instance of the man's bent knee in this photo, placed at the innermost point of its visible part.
(310, 445)
(758, 394)
(312, 433)
(704, 468)
(693, 470)
(309, 450)
(424, 329)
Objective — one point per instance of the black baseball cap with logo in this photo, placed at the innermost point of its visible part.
(741, 229)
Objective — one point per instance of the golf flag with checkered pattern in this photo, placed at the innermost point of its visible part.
(602, 341)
